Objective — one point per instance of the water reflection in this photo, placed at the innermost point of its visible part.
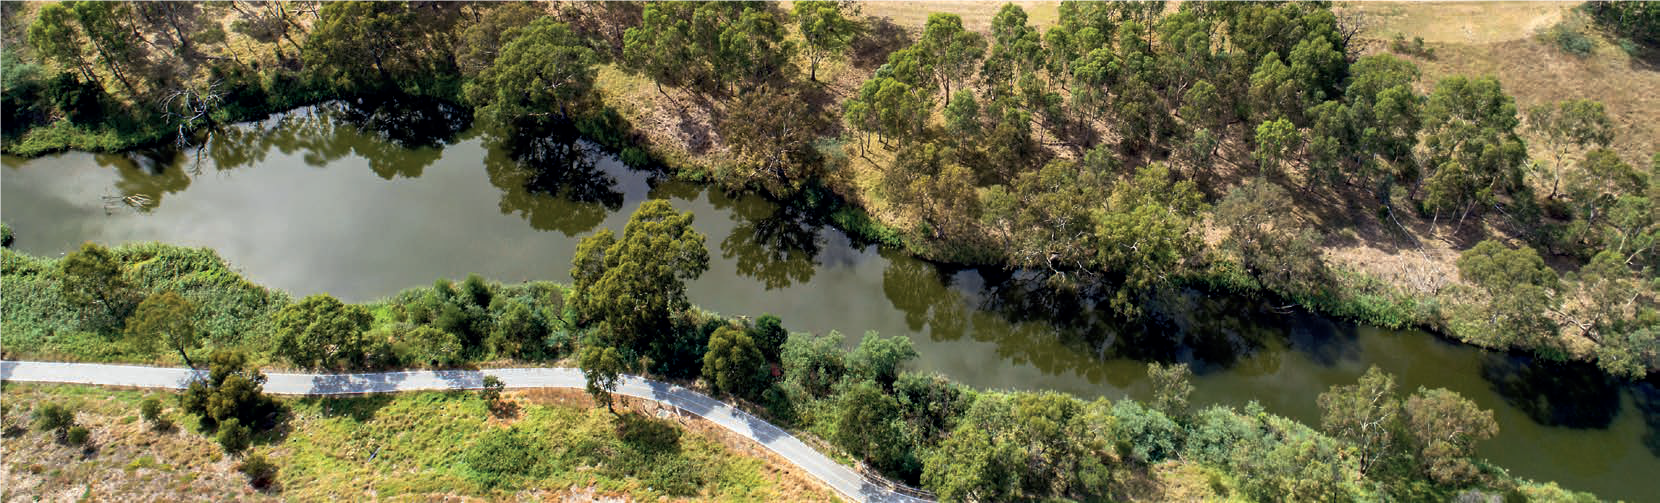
(777, 244)
(145, 177)
(552, 181)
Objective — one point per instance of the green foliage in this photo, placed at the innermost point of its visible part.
(877, 359)
(1170, 388)
(231, 390)
(708, 45)
(53, 417)
(630, 288)
(1276, 140)
(1147, 232)
(1475, 155)
(1445, 428)
(491, 390)
(233, 436)
(867, 427)
(1272, 245)
(92, 281)
(362, 47)
(949, 50)
(816, 363)
(321, 332)
(825, 28)
(1365, 414)
(734, 363)
(5, 235)
(77, 435)
(1638, 20)
(1519, 290)
(769, 335)
(432, 346)
(165, 318)
(150, 411)
(504, 457)
(1146, 436)
(1568, 37)
(545, 70)
(602, 368)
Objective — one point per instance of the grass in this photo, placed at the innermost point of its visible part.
(413, 446)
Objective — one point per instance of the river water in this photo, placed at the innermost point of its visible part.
(362, 203)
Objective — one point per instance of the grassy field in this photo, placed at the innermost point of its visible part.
(406, 447)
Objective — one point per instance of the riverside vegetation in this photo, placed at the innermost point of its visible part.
(1130, 149)
(964, 444)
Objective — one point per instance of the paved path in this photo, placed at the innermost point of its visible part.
(841, 478)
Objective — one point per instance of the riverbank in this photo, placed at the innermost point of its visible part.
(808, 406)
(1377, 259)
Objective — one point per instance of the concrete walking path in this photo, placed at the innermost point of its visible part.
(841, 478)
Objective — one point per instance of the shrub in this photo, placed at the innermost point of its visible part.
(491, 392)
(260, 471)
(233, 436)
(150, 410)
(77, 435)
(1570, 39)
(54, 417)
(1399, 45)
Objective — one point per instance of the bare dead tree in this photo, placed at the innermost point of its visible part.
(188, 107)
(1351, 24)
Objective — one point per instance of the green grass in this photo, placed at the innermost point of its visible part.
(38, 322)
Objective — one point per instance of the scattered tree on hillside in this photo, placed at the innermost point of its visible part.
(1474, 154)
(826, 29)
(1520, 293)
(1147, 232)
(950, 50)
(1263, 231)
(1569, 124)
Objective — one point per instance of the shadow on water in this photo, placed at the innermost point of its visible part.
(1647, 393)
(1569, 394)
(1075, 330)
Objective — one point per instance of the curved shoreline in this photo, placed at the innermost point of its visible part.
(842, 479)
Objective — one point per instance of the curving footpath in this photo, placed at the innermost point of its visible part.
(841, 478)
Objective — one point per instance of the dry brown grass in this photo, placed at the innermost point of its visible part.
(1459, 22)
(976, 14)
(124, 460)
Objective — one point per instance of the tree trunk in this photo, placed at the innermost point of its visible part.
(187, 361)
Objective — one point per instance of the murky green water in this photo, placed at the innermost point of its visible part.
(309, 203)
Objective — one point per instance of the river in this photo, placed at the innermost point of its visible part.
(362, 203)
